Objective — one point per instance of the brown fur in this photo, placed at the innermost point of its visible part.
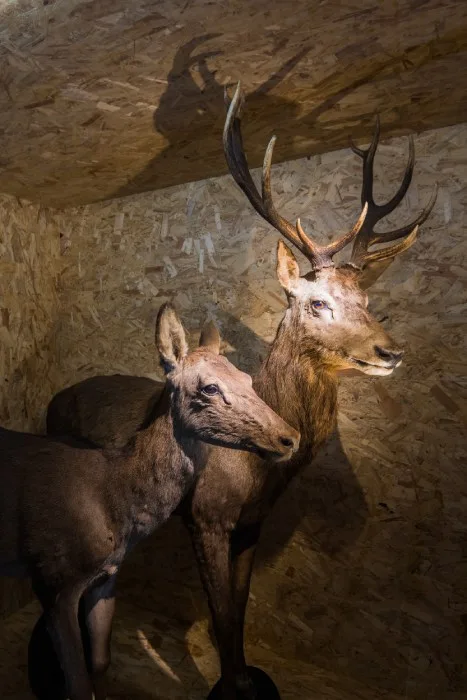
(236, 490)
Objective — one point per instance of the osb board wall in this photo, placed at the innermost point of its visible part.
(111, 97)
(360, 589)
(29, 267)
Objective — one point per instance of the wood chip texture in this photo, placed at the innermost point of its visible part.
(29, 267)
(360, 588)
(107, 98)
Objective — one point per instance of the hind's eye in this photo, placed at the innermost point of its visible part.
(319, 305)
(210, 389)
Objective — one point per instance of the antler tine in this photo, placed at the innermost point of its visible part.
(393, 250)
(368, 157)
(311, 250)
(368, 236)
(385, 209)
(386, 236)
(233, 149)
(323, 254)
(301, 241)
(319, 256)
(238, 166)
(353, 147)
(336, 246)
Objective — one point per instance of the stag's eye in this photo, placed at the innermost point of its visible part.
(319, 305)
(210, 389)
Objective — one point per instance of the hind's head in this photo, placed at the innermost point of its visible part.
(212, 400)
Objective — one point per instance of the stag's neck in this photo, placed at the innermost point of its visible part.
(296, 383)
(157, 467)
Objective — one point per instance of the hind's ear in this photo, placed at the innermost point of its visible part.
(210, 337)
(170, 338)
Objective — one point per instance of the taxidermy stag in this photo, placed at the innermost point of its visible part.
(68, 515)
(326, 328)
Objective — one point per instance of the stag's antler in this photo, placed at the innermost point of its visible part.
(367, 235)
(319, 256)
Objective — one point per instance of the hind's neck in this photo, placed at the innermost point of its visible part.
(159, 463)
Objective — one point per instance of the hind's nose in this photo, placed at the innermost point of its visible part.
(279, 446)
(290, 442)
(392, 357)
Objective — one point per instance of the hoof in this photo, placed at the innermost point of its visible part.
(45, 675)
(262, 687)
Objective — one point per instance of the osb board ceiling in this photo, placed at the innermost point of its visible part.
(105, 98)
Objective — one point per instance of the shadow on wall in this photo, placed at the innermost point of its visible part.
(186, 111)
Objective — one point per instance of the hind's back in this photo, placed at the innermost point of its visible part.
(104, 410)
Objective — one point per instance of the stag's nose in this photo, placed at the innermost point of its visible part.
(392, 357)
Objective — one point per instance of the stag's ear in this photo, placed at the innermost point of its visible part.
(288, 272)
(372, 271)
(210, 337)
(170, 338)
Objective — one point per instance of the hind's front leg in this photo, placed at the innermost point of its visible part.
(45, 674)
(46, 677)
(61, 616)
(99, 607)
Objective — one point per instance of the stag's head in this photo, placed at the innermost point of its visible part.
(328, 306)
(212, 400)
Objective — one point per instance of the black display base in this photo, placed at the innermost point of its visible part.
(265, 687)
(45, 674)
